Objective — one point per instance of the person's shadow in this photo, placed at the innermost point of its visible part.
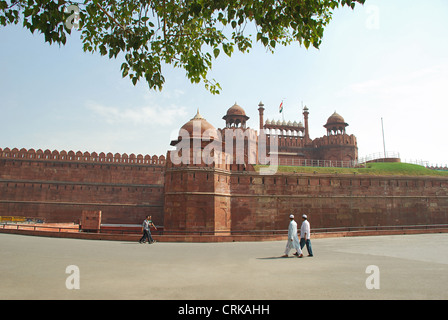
(279, 257)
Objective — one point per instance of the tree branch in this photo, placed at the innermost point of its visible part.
(110, 17)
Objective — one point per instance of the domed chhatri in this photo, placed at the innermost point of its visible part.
(198, 121)
(335, 124)
(236, 117)
(235, 110)
(195, 128)
(335, 118)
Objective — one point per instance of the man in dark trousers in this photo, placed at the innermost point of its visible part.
(305, 235)
(147, 224)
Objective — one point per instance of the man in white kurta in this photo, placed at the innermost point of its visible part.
(305, 235)
(293, 239)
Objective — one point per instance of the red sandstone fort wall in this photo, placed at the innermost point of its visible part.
(57, 186)
(189, 199)
(127, 188)
(259, 202)
(246, 201)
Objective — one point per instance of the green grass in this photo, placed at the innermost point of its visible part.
(392, 168)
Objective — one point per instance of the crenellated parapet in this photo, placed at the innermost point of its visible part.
(336, 140)
(85, 157)
(438, 167)
(284, 128)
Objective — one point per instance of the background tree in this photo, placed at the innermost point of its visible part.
(187, 34)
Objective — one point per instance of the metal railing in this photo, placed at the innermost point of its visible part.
(231, 232)
(314, 230)
(381, 228)
(316, 163)
(396, 155)
(438, 167)
(379, 156)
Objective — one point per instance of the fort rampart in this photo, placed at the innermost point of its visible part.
(337, 200)
(206, 199)
(57, 186)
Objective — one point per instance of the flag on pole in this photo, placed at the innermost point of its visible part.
(280, 108)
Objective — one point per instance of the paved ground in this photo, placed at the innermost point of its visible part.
(410, 267)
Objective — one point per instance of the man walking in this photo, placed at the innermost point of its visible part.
(305, 233)
(147, 224)
(293, 239)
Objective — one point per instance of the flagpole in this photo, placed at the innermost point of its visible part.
(384, 142)
(280, 108)
(283, 114)
(301, 111)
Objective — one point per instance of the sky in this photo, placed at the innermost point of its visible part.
(383, 63)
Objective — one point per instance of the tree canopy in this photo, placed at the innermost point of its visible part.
(188, 34)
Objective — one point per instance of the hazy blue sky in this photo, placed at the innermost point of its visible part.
(386, 59)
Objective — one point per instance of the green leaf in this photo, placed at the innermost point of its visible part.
(185, 34)
(264, 41)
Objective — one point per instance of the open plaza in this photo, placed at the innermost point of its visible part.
(376, 267)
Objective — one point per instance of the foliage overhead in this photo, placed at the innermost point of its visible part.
(187, 34)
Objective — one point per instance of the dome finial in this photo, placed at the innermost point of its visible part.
(197, 116)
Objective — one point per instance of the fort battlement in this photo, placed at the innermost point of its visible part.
(58, 185)
(340, 139)
(102, 158)
(298, 141)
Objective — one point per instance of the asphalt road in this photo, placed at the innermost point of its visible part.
(398, 267)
